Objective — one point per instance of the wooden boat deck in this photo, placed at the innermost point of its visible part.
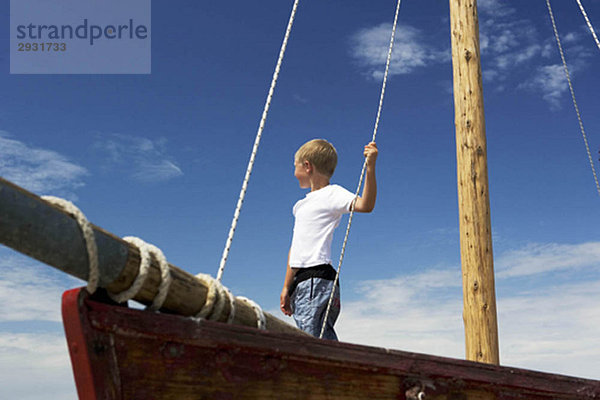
(123, 353)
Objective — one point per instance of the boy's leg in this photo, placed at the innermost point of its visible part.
(322, 293)
(309, 302)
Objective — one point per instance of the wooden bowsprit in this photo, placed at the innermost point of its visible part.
(38, 229)
(122, 353)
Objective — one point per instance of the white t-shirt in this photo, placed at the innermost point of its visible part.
(316, 217)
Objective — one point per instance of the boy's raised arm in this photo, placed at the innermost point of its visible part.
(366, 203)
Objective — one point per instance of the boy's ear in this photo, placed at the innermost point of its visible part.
(307, 165)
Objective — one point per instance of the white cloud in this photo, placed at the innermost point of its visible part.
(550, 81)
(300, 99)
(35, 367)
(38, 170)
(513, 53)
(506, 46)
(496, 8)
(553, 329)
(159, 170)
(544, 258)
(143, 159)
(551, 325)
(30, 291)
(417, 312)
(370, 48)
(34, 361)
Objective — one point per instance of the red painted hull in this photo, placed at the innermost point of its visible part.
(121, 353)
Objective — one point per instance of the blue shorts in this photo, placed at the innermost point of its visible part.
(309, 303)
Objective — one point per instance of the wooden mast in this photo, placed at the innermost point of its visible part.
(479, 313)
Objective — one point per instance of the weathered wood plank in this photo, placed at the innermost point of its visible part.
(170, 357)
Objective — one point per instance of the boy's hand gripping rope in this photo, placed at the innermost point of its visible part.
(362, 173)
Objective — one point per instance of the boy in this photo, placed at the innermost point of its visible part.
(309, 276)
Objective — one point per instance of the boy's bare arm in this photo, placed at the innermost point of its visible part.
(366, 203)
(285, 292)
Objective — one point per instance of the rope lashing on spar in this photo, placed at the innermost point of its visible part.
(215, 303)
(261, 126)
(88, 237)
(261, 321)
(146, 252)
(216, 298)
(362, 173)
(566, 69)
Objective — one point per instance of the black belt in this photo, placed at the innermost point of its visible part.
(323, 271)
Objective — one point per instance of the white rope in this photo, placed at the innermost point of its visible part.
(211, 296)
(261, 126)
(165, 277)
(589, 24)
(137, 284)
(261, 321)
(220, 304)
(362, 173)
(232, 310)
(562, 56)
(146, 250)
(88, 237)
(215, 300)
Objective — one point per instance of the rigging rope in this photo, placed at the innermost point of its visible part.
(562, 56)
(362, 173)
(261, 126)
(589, 24)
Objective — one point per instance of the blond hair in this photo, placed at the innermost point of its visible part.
(320, 153)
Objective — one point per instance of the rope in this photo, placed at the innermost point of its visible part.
(220, 304)
(232, 310)
(142, 273)
(145, 249)
(88, 238)
(261, 321)
(261, 126)
(210, 296)
(217, 293)
(165, 273)
(562, 56)
(215, 300)
(362, 173)
(589, 24)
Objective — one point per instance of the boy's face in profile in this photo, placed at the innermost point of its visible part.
(301, 174)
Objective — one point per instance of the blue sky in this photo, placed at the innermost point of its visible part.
(162, 157)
